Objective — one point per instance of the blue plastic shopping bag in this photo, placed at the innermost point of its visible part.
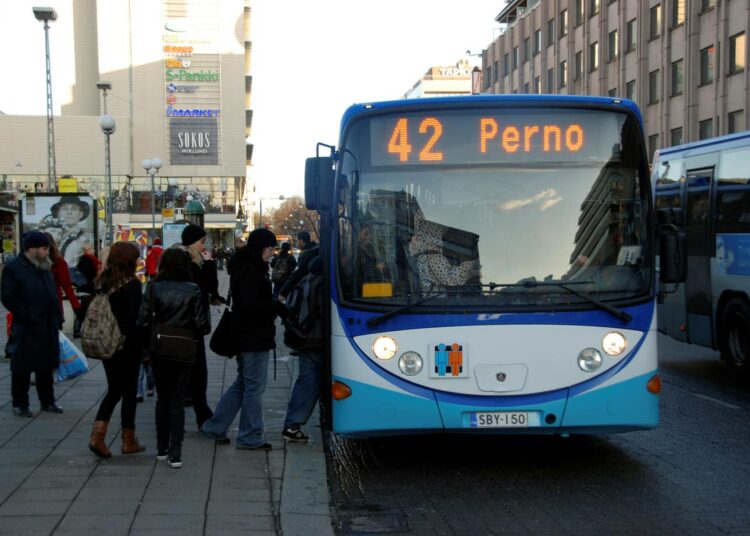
(73, 362)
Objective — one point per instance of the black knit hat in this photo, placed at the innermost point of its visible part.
(191, 234)
(261, 238)
(34, 239)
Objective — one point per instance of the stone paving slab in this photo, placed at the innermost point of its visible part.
(51, 484)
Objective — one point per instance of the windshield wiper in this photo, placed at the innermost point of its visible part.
(619, 313)
(377, 320)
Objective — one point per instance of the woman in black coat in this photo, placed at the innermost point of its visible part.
(254, 311)
(178, 303)
(122, 369)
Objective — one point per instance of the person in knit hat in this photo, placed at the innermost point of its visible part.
(256, 311)
(205, 275)
(28, 291)
(152, 258)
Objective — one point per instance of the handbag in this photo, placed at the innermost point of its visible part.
(170, 342)
(222, 342)
(73, 362)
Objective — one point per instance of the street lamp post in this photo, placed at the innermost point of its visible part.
(104, 86)
(152, 168)
(260, 200)
(47, 14)
(108, 126)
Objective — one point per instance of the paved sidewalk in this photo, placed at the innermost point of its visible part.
(50, 483)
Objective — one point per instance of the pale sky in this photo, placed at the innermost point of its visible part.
(310, 61)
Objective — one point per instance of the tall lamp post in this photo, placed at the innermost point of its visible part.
(152, 168)
(260, 200)
(108, 126)
(47, 14)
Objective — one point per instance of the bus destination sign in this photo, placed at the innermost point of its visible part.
(450, 138)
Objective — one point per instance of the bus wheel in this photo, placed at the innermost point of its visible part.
(735, 348)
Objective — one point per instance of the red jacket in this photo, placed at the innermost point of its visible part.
(61, 275)
(152, 260)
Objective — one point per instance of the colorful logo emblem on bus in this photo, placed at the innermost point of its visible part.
(448, 360)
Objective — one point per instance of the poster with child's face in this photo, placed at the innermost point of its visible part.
(69, 218)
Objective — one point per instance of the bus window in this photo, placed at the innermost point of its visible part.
(669, 184)
(733, 192)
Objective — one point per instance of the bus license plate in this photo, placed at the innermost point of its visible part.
(500, 419)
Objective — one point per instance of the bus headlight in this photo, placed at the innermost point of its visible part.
(384, 348)
(614, 343)
(589, 360)
(410, 363)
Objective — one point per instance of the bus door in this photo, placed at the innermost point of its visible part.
(699, 249)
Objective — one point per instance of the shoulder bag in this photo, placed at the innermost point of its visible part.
(222, 341)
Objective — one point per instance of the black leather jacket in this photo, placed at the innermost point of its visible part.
(178, 304)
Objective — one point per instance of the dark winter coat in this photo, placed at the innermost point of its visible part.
(30, 294)
(126, 304)
(254, 309)
(309, 252)
(178, 304)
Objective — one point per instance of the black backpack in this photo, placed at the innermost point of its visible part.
(303, 326)
(281, 269)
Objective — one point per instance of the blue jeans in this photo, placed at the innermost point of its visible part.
(146, 374)
(246, 396)
(306, 390)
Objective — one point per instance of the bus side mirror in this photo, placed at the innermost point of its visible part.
(672, 256)
(319, 177)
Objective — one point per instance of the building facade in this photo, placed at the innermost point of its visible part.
(180, 77)
(443, 81)
(682, 61)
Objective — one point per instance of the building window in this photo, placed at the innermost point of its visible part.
(630, 90)
(550, 80)
(527, 49)
(526, 88)
(653, 145)
(612, 52)
(677, 78)
(593, 56)
(612, 92)
(506, 64)
(537, 42)
(497, 71)
(737, 53)
(563, 73)
(538, 85)
(707, 65)
(579, 65)
(563, 23)
(630, 37)
(594, 5)
(579, 12)
(707, 4)
(675, 136)
(705, 129)
(515, 58)
(736, 121)
(488, 76)
(653, 87)
(655, 21)
(550, 32)
(678, 12)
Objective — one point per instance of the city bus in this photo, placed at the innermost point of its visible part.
(490, 266)
(706, 185)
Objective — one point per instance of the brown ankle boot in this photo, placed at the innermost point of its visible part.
(130, 443)
(97, 443)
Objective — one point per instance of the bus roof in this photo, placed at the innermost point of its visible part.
(480, 101)
(709, 145)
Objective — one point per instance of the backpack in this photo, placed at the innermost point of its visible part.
(303, 313)
(281, 270)
(100, 334)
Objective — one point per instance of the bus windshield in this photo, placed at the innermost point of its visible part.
(482, 207)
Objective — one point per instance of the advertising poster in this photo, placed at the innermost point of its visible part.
(69, 218)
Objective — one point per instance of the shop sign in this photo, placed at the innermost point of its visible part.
(193, 141)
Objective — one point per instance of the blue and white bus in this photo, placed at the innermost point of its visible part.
(706, 185)
(490, 262)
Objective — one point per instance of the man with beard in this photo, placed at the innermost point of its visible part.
(28, 291)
